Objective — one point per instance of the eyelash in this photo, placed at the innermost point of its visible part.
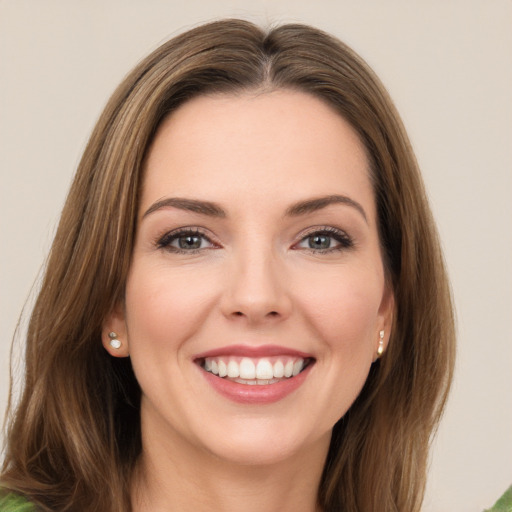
(344, 241)
(165, 241)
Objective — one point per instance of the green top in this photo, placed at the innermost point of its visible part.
(15, 503)
(504, 504)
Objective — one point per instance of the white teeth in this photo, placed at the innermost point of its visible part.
(258, 382)
(233, 370)
(278, 369)
(264, 370)
(297, 367)
(247, 369)
(251, 371)
(223, 371)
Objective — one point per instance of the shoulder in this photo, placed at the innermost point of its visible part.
(504, 504)
(15, 503)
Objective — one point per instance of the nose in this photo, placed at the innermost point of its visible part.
(256, 290)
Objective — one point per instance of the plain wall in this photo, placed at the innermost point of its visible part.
(447, 65)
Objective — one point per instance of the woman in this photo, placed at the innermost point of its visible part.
(245, 305)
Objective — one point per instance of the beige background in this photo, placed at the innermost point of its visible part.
(448, 66)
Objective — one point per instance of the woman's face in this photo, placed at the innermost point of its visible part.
(256, 257)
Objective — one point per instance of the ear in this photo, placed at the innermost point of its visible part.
(114, 334)
(385, 319)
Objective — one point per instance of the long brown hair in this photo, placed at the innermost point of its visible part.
(74, 437)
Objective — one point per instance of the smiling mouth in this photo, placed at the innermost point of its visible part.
(255, 371)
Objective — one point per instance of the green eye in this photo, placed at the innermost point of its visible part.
(326, 240)
(188, 242)
(319, 242)
(185, 241)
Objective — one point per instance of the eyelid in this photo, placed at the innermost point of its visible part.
(345, 241)
(164, 240)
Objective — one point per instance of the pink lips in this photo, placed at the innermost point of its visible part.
(255, 394)
(249, 351)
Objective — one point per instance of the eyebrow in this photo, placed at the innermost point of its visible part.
(191, 205)
(313, 205)
(214, 210)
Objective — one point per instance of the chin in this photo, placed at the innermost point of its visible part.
(267, 445)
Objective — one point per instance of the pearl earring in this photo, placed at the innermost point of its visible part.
(380, 348)
(114, 342)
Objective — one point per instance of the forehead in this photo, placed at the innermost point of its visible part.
(280, 144)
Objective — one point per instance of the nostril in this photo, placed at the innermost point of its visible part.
(271, 313)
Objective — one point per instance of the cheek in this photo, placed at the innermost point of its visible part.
(165, 306)
(343, 313)
(343, 308)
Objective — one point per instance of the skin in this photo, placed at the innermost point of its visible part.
(254, 281)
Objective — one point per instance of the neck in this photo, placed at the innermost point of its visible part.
(173, 476)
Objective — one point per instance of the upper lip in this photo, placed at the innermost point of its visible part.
(253, 351)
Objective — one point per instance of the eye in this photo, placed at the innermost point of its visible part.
(185, 241)
(325, 240)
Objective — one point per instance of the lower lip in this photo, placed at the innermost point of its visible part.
(256, 394)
